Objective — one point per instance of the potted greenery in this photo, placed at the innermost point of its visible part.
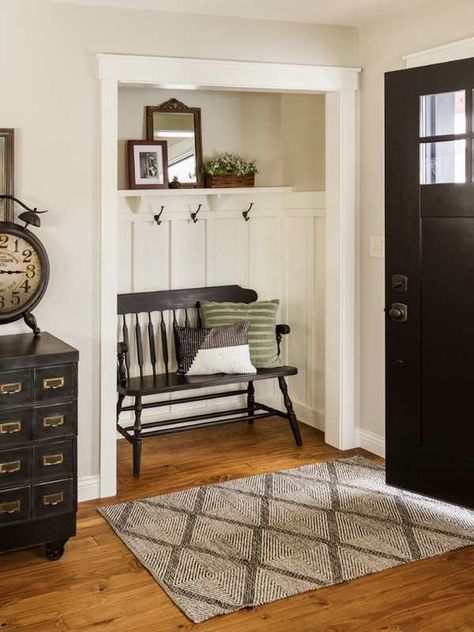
(229, 170)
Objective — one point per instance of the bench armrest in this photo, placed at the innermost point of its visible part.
(122, 350)
(281, 330)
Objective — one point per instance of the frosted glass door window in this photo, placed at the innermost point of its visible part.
(443, 162)
(443, 114)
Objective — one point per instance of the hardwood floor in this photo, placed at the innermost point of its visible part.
(98, 585)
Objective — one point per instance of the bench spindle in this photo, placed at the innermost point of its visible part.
(126, 340)
(164, 342)
(151, 342)
(138, 336)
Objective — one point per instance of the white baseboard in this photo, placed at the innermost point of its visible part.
(372, 442)
(310, 417)
(88, 488)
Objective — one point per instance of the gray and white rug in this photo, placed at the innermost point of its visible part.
(218, 548)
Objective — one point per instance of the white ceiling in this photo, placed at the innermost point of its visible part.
(344, 12)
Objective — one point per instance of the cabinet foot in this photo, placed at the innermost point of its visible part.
(54, 550)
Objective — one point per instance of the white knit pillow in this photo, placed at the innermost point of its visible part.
(216, 350)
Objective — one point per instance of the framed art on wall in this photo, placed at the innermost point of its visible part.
(6, 173)
(148, 164)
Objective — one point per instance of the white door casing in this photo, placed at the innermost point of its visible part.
(341, 85)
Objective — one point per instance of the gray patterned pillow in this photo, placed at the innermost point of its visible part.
(215, 350)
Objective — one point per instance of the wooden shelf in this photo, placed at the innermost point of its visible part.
(126, 193)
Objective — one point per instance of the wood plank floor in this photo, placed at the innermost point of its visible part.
(98, 585)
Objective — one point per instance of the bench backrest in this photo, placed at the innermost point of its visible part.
(149, 315)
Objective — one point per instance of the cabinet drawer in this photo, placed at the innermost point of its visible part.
(15, 505)
(55, 382)
(50, 422)
(53, 498)
(54, 460)
(15, 387)
(15, 467)
(14, 427)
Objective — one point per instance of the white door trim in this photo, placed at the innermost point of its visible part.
(341, 85)
(460, 49)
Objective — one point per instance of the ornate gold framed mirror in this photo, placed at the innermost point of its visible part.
(180, 126)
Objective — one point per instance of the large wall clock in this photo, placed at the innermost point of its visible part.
(24, 269)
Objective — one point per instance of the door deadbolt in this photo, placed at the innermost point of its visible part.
(398, 312)
(400, 282)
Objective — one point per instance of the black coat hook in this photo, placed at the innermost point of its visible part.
(246, 213)
(158, 215)
(194, 215)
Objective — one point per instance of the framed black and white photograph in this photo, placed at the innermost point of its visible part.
(148, 164)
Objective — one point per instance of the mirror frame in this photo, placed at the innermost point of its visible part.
(9, 135)
(170, 106)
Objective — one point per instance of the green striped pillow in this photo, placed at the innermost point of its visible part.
(262, 318)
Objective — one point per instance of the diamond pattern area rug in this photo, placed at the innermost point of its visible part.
(218, 548)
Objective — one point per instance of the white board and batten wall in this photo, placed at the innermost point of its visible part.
(279, 252)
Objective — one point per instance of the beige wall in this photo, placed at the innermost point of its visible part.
(49, 95)
(283, 132)
(381, 49)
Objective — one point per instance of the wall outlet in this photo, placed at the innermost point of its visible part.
(376, 246)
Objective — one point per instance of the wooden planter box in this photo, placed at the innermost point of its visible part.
(228, 180)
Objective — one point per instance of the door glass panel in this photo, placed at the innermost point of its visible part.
(444, 161)
(442, 114)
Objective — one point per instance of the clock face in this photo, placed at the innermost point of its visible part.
(20, 273)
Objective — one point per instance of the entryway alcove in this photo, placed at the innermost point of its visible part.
(299, 245)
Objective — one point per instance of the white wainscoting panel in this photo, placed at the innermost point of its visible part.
(279, 252)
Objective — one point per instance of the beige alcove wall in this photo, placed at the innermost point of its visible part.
(285, 133)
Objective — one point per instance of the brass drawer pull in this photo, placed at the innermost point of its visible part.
(10, 427)
(53, 459)
(10, 467)
(10, 389)
(53, 422)
(50, 383)
(53, 499)
(11, 507)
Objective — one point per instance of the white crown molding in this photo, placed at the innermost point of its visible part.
(372, 442)
(460, 49)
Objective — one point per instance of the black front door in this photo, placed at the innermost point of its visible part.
(429, 210)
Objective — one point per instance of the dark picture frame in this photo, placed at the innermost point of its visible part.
(173, 106)
(148, 164)
(7, 179)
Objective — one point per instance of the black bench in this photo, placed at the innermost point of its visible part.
(140, 376)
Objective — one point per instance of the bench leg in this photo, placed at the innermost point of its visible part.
(251, 401)
(137, 439)
(291, 413)
(119, 405)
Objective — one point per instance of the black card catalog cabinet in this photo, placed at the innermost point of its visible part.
(38, 428)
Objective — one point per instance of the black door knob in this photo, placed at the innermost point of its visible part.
(398, 312)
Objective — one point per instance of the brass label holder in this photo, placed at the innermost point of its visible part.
(11, 389)
(10, 467)
(10, 427)
(51, 383)
(53, 459)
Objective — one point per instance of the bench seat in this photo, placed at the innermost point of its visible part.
(172, 382)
